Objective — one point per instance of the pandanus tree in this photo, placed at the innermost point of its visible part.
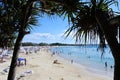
(25, 16)
(16, 19)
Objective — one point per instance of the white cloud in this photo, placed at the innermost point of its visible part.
(43, 35)
(47, 37)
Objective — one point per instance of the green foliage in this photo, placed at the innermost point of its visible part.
(57, 44)
(43, 44)
(84, 23)
(7, 25)
(11, 17)
(29, 44)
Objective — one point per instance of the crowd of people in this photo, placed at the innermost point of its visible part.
(6, 53)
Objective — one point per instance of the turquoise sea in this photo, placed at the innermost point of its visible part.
(89, 57)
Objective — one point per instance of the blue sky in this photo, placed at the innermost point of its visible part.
(49, 30)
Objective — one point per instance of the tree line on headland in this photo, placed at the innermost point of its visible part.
(53, 44)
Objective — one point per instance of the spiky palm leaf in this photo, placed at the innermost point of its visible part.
(84, 22)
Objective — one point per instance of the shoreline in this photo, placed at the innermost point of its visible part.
(92, 62)
(91, 68)
(41, 66)
(87, 68)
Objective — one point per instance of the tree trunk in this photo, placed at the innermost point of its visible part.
(117, 69)
(11, 75)
(26, 11)
(112, 41)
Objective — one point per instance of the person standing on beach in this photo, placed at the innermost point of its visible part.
(71, 61)
(53, 53)
(106, 65)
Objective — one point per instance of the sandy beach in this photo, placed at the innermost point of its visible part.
(40, 66)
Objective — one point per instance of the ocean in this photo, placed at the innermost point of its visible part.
(89, 57)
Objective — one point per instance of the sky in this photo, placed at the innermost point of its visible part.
(49, 30)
